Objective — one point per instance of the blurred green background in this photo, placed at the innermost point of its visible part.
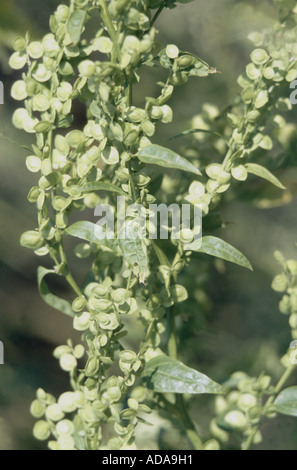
(240, 328)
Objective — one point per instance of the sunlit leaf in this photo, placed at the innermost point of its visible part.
(286, 402)
(161, 156)
(93, 233)
(75, 25)
(262, 172)
(220, 249)
(166, 375)
(100, 186)
(51, 299)
(134, 249)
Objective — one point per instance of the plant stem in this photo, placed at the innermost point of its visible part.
(110, 27)
(285, 377)
(157, 14)
(188, 424)
(180, 412)
(180, 402)
(68, 276)
(172, 340)
(163, 260)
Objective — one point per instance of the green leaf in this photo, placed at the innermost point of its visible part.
(214, 246)
(51, 299)
(161, 156)
(75, 25)
(262, 172)
(166, 375)
(195, 131)
(286, 402)
(92, 233)
(134, 249)
(99, 186)
(43, 126)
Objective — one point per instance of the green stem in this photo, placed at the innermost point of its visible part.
(157, 14)
(172, 340)
(283, 380)
(188, 424)
(130, 92)
(110, 27)
(163, 260)
(132, 184)
(180, 403)
(68, 276)
(180, 412)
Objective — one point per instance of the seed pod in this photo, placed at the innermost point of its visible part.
(185, 61)
(42, 74)
(280, 283)
(99, 305)
(136, 114)
(247, 95)
(110, 156)
(41, 394)
(54, 412)
(68, 402)
(79, 303)
(127, 356)
(103, 45)
(64, 91)
(119, 296)
(259, 56)
(17, 61)
(65, 427)
(33, 194)
(239, 173)
(291, 266)
(216, 172)
(236, 420)
(156, 112)
(82, 322)
(92, 366)
(172, 51)
(253, 72)
(246, 401)
(50, 46)
(41, 430)
(269, 73)
(60, 350)
(285, 305)
(19, 44)
(212, 444)
(79, 351)
(32, 240)
(114, 394)
(179, 78)
(262, 99)
(33, 163)
(68, 362)
(62, 13)
(40, 103)
(91, 200)
(18, 90)
(131, 138)
(167, 114)
(253, 116)
(61, 220)
(75, 138)
(37, 409)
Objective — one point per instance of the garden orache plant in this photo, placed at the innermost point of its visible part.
(112, 388)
